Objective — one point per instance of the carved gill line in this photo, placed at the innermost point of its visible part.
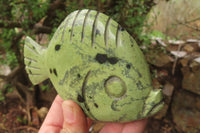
(73, 24)
(32, 50)
(84, 25)
(94, 27)
(118, 36)
(106, 32)
(83, 93)
(84, 83)
(29, 59)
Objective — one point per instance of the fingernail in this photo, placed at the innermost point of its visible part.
(68, 112)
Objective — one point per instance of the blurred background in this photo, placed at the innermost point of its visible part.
(167, 31)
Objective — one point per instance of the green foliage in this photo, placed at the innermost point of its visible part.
(45, 87)
(23, 13)
(2, 97)
(156, 33)
(131, 14)
(21, 120)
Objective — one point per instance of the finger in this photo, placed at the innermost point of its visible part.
(130, 127)
(75, 120)
(54, 119)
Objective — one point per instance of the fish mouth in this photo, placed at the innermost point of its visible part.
(156, 107)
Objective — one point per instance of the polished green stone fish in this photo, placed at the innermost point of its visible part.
(93, 61)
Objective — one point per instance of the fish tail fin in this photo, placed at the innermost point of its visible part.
(34, 59)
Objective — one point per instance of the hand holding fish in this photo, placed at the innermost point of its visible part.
(67, 117)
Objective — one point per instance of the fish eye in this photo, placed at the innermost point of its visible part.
(115, 87)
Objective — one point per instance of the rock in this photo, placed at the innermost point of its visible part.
(4, 70)
(193, 40)
(188, 48)
(168, 89)
(42, 112)
(184, 62)
(185, 113)
(197, 59)
(194, 64)
(178, 42)
(191, 79)
(159, 59)
(161, 43)
(179, 54)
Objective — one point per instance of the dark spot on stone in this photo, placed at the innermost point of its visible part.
(128, 66)
(113, 60)
(80, 98)
(73, 35)
(78, 75)
(101, 58)
(96, 105)
(55, 72)
(50, 71)
(97, 32)
(30, 71)
(132, 45)
(70, 30)
(57, 47)
(121, 28)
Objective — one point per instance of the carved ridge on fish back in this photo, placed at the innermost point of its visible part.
(94, 27)
(106, 32)
(72, 29)
(84, 25)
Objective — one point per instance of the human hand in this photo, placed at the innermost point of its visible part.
(68, 117)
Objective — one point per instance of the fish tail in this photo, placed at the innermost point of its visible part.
(34, 59)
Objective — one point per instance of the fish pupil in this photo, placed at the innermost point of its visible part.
(113, 60)
(101, 58)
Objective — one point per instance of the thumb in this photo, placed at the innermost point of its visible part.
(74, 119)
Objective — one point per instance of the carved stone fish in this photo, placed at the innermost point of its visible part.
(92, 60)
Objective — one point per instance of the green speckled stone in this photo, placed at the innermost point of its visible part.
(92, 60)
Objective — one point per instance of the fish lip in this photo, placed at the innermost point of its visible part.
(160, 103)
